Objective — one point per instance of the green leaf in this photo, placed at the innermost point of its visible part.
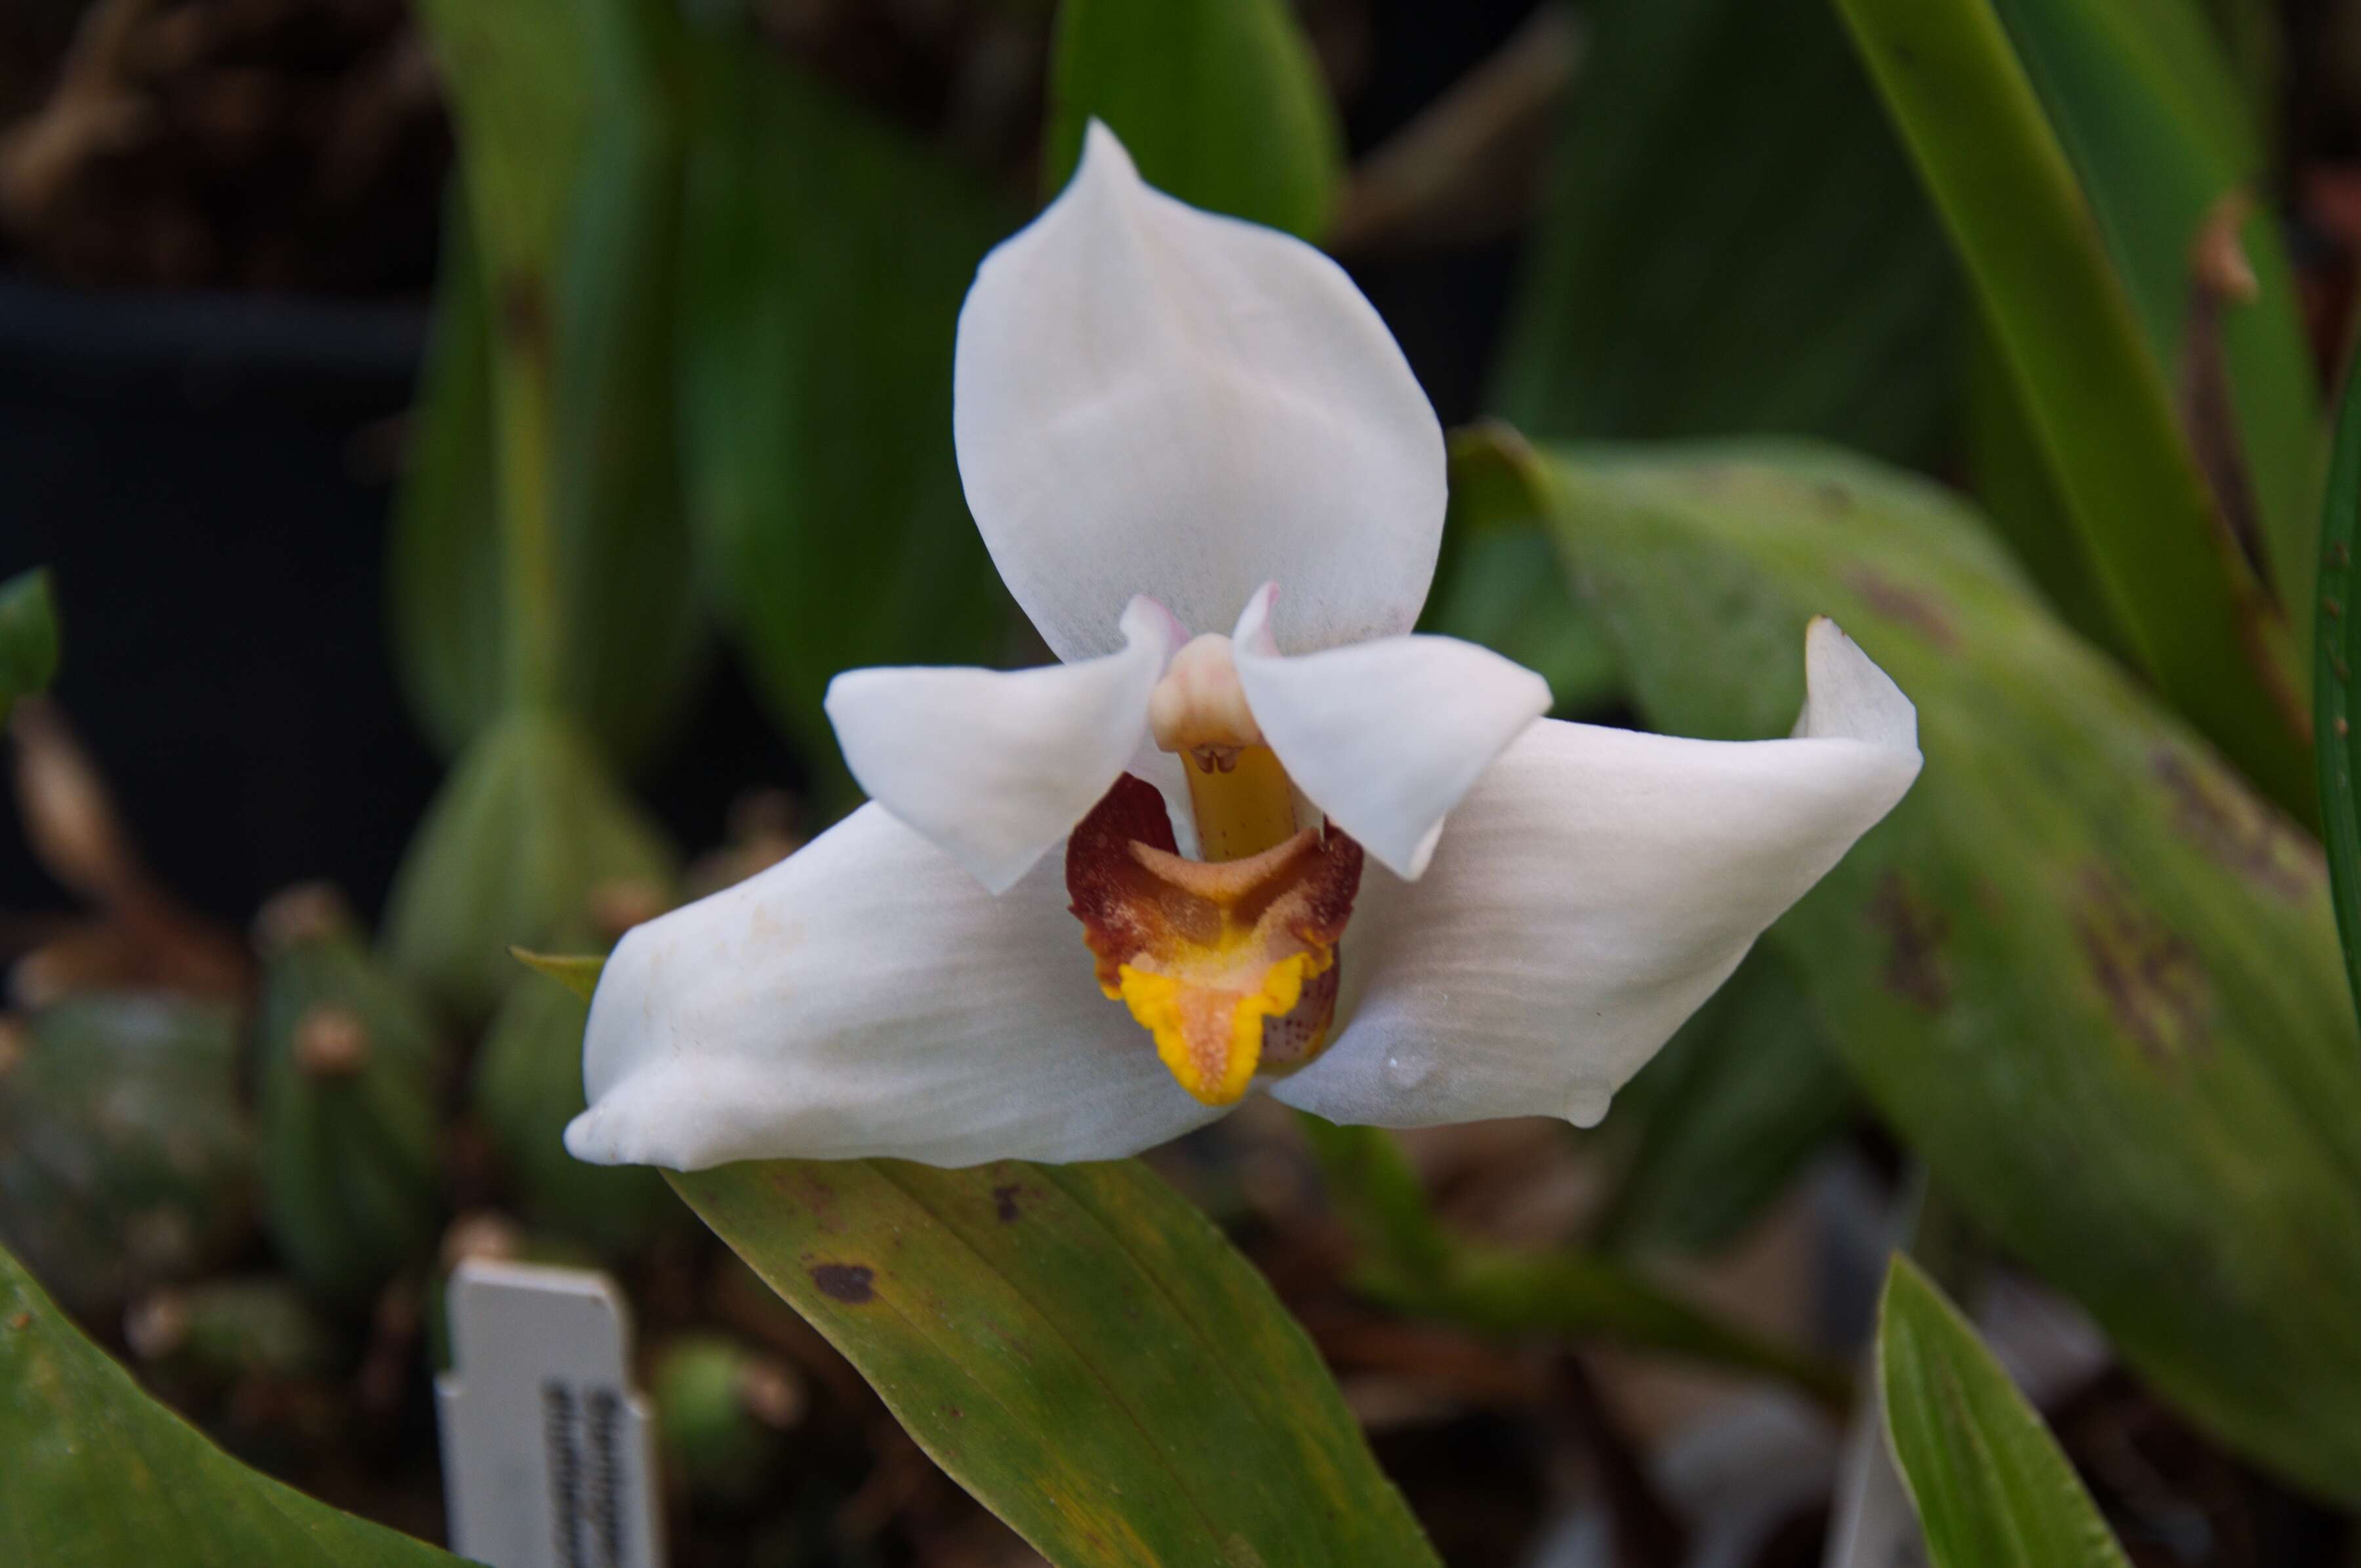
(28, 637)
(2148, 112)
(98, 1474)
(1497, 582)
(2012, 482)
(1220, 103)
(627, 626)
(2096, 393)
(1726, 1114)
(825, 260)
(2337, 652)
(530, 833)
(1078, 1347)
(1991, 1486)
(1697, 133)
(444, 604)
(2082, 969)
(625, 551)
(578, 973)
(519, 82)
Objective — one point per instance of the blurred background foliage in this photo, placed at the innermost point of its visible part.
(466, 439)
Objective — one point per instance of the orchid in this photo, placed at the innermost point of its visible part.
(1089, 907)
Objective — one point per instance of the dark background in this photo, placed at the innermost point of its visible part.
(209, 475)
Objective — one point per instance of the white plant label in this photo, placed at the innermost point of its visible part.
(546, 1456)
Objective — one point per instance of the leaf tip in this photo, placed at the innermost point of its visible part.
(578, 972)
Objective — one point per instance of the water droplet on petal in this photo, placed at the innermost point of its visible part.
(1408, 1065)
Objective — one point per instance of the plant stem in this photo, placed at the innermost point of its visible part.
(525, 415)
(1417, 1266)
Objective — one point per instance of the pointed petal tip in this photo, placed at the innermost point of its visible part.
(1147, 393)
(1847, 695)
(1104, 154)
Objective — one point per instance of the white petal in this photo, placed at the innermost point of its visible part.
(1385, 736)
(995, 766)
(865, 997)
(1150, 398)
(1594, 887)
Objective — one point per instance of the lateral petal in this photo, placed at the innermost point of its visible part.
(1386, 736)
(996, 766)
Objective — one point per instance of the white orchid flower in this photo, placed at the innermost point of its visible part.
(1090, 905)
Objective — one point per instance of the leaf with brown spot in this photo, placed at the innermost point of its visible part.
(1110, 1375)
(848, 1282)
(2144, 1078)
(1913, 943)
(1911, 605)
(2077, 149)
(2153, 978)
(2215, 810)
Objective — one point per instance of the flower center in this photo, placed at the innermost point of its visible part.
(1238, 793)
(1228, 962)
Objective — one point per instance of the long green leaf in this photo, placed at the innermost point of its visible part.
(2095, 392)
(2338, 653)
(518, 77)
(2088, 975)
(1991, 1486)
(98, 1474)
(625, 602)
(1221, 103)
(2149, 113)
(443, 604)
(28, 637)
(825, 256)
(1081, 1349)
(1699, 131)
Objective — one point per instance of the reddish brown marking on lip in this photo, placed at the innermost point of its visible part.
(1134, 894)
(1140, 904)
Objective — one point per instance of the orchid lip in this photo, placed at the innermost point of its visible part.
(1223, 962)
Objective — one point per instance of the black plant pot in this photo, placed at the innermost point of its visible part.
(209, 475)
